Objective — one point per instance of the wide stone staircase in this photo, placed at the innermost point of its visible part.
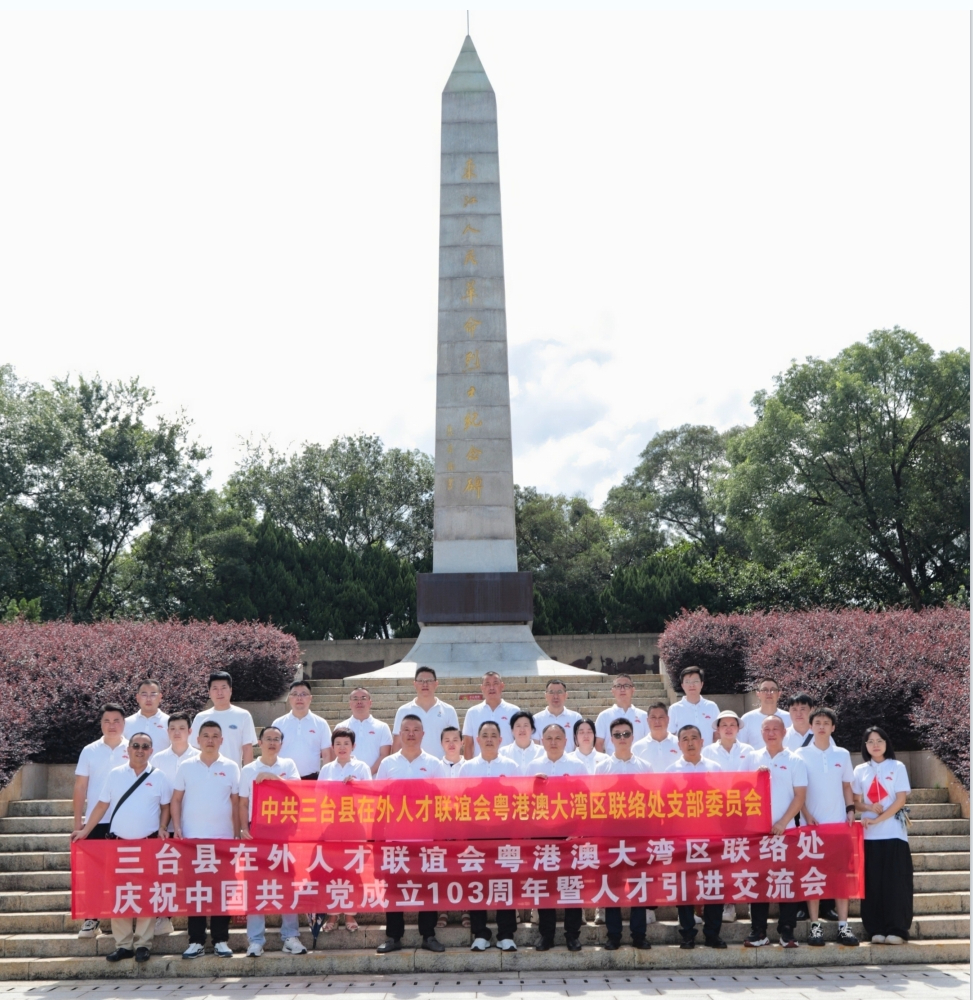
(38, 938)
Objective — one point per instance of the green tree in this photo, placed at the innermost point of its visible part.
(862, 462)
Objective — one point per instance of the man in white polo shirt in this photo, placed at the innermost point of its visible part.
(555, 694)
(623, 689)
(149, 718)
(308, 736)
(373, 738)
(96, 760)
(492, 707)
(660, 748)
(136, 797)
(411, 762)
(692, 709)
(236, 724)
(269, 766)
(436, 715)
(205, 805)
(768, 694)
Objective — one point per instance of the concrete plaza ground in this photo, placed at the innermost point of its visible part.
(915, 982)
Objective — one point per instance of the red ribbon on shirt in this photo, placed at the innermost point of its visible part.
(487, 808)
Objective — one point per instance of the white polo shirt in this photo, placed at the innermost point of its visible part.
(155, 725)
(891, 778)
(238, 731)
(826, 771)
(787, 772)
(434, 721)
(615, 765)
(638, 718)
(591, 761)
(334, 771)
(565, 720)
(370, 736)
(523, 756)
(659, 753)
(284, 768)
(702, 715)
(207, 811)
(398, 766)
(452, 769)
(501, 767)
(734, 759)
(96, 760)
(750, 727)
(141, 812)
(564, 765)
(304, 739)
(167, 761)
(478, 714)
(687, 767)
(793, 740)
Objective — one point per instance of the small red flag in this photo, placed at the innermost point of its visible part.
(876, 791)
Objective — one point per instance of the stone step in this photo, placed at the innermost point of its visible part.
(928, 795)
(935, 827)
(929, 903)
(941, 881)
(36, 824)
(922, 845)
(937, 810)
(32, 861)
(34, 902)
(935, 861)
(41, 807)
(460, 960)
(34, 881)
(35, 842)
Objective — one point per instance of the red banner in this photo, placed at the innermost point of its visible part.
(191, 877)
(488, 808)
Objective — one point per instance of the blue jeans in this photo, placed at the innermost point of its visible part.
(257, 923)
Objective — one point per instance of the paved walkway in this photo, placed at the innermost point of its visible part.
(929, 982)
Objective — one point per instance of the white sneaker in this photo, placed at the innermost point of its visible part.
(650, 916)
(222, 950)
(194, 951)
(479, 944)
(89, 929)
(893, 939)
(163, 925)
(507, 944)
(878, 939)
(729, 913)
(255, 951)
(699, 919)
(600, 915)
(293, 946)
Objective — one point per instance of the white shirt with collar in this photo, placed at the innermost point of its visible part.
(236, 726)
(167, 761)
(750, 727)
(564, 765)
(434, 720)
(157, 726)
(734, 759)
(304, 739)
(500, 767)
(523, 756)
(284, 768)
(590, 761)
(398, 766)
(659, 753)
(702, 715)
(687, 767)
(476, 715)
(565, 720)
(891, 778)
(638, 718)
(452, 770)
(207, 811)
(335, 771)
(793, 740)
(787, 772)
(141, 813)
(827, 770)
(615, 765)
(96, 760)
(370, 736)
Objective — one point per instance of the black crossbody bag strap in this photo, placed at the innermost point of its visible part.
(807, 740)
(131, 789)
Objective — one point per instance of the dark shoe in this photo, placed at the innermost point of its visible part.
(120, 953)
(543, 945)
(787, 942)
(433, 944)
(831, 914)
(815, 936)
(714, 942)
(574, 944)
(756, 940)
(612, 945)
(802, 914)
(687, 945)
(391, 944)
(142, 954)
(845, 937)
(641, 944)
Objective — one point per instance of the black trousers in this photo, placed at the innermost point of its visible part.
(219, 929)
(548, 923)
(887, 906)
(310, 777)
(712, 921)
(506, 924)
(786, 923)
(636, 922)
(395, 924)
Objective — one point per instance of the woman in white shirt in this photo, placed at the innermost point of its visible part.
(881, 786)
(584, 740)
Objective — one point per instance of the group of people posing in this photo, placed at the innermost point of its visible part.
(157, 775)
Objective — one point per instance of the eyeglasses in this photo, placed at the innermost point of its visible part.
(767, 690)
(426, 680)
(627, 735)
(623, 687)
(140, 746)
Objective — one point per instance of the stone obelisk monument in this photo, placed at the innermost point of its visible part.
(475, 608)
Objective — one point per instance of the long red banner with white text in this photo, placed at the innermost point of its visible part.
(487, 808)
(193, 877)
